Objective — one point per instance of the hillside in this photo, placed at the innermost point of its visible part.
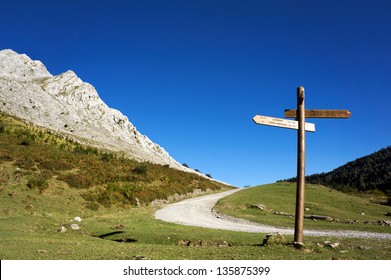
(64, 103)
(368, 173)
(40, 160)
(325, 209)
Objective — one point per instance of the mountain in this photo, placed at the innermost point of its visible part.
(372, 172)
(67, 105)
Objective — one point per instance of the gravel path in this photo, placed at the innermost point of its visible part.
(198, 212)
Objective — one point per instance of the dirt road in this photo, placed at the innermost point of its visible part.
(199, 212)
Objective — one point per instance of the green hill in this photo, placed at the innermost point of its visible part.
(365, 174)
(325, 209)
(39, 159)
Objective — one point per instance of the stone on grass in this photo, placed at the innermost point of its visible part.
(75, 226)
(62, 229)
(273, 239)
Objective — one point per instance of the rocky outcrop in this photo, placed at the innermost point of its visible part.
(67, 105)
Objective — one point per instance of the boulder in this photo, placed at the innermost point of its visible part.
(273, 239)
(75, 226)
(62, 229)
(258, 206)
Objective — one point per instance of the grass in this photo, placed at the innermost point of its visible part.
(351, 211)
(30, 221)
(46, 181)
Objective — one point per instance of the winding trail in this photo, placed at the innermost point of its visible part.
(199, 212)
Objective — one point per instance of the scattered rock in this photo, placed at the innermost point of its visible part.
(202, 243)
(184, 243)
(139, 258)
(381, 222)
(329, 244)
(41, 251)
(318, 217)
(333, 245)
(223, 244)
(75, 226)
(284, 214)
(77, 219)
(258, 206)
(62, 229)
(363, 247)
(273, 239)
(138, 202)
(299, 245)
(119, 226)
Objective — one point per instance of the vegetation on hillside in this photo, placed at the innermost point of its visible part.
(325, 208)
(41, 158)
(369, 173)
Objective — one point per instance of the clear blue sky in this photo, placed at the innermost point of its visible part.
(192, 74)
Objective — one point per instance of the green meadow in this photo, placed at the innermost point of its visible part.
(47, 180)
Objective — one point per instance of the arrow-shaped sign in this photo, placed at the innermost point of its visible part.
(341, 114)
(271, 121)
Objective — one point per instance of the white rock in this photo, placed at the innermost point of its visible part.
(75, 226)
(77, 219)
(62, 229)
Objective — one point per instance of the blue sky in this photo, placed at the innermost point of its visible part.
(192, 74)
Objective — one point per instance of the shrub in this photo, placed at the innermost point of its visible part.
(38, 182)
(141, 170)
(78, 181)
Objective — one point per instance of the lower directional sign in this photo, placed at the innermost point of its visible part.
(271, 121)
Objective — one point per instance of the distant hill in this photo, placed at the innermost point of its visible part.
(372, 172)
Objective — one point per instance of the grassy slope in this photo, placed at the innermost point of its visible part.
(319, 200)
(31, 216)
(29, 221)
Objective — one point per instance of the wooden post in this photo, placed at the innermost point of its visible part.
(300, 185)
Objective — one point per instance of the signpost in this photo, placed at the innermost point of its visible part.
(282, 123)
(342, 114)
(301, 126)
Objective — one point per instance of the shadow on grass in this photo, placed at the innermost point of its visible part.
(122, 240)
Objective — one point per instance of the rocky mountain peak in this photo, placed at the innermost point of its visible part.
(20, 67)
(67, 105)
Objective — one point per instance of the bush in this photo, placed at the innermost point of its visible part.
(38, 182)
(78, 181)
(141, 170)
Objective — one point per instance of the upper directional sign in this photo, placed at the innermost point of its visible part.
(282, 123)
(342, 114)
